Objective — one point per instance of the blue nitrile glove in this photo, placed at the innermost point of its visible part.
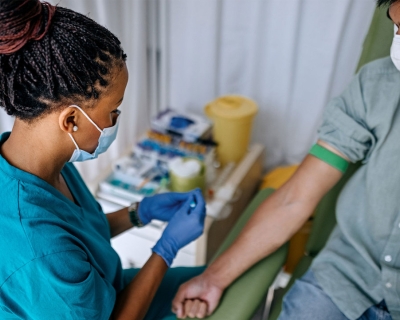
(184, 227)
(161, 206)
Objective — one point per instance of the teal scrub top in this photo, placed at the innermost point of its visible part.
(56, 258)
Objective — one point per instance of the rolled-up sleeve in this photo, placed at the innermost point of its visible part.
(58, 286)
(344, 124)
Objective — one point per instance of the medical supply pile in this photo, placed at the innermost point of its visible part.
(183, 151)
(177, 153)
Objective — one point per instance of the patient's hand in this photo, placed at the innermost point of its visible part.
(196, 298)
(194, 309)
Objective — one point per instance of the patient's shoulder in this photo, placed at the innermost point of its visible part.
(379, 66)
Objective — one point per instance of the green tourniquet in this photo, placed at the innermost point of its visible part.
(329, 157)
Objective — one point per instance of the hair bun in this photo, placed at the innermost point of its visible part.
(21, 21)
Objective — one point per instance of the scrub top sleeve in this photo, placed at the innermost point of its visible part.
(344, 124)
(58, 286)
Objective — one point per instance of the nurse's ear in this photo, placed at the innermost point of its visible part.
(68, 120)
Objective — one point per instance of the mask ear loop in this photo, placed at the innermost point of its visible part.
(73, 140)
(75, 106)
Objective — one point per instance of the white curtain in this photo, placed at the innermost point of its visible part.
(128, 21)
(289, 56)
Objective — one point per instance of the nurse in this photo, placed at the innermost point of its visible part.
(63, 77)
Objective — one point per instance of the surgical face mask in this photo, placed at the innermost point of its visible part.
(395, 49)
(107, 137)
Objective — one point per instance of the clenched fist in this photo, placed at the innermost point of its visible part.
(198, 297)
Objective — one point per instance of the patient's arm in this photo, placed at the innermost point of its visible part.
(273, 223)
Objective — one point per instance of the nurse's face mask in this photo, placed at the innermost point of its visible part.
(395, 49)
(107, 137)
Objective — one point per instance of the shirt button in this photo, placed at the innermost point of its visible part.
(388, 285)
(388, 258)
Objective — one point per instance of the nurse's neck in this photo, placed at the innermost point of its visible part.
(39, 148)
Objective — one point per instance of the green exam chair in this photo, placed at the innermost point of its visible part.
(242, 299)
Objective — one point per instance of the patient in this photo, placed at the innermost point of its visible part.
(357, 274)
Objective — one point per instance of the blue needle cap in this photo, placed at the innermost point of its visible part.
(193, 204)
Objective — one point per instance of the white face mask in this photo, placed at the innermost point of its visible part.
(107, 137)
(395, 49)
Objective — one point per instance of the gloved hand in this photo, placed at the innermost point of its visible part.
(161, 206)
(185, 226)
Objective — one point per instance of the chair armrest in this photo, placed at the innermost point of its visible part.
(241, 300)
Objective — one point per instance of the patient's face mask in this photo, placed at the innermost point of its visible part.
(107, 137)
(395, 49)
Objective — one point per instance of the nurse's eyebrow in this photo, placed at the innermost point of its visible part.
(120, 100)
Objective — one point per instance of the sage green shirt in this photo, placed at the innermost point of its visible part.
(360, 265)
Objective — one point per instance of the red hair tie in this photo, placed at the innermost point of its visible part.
(18, 28)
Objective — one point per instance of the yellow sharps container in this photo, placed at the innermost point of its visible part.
(233, 118)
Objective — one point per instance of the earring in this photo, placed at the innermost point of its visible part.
(75, 128)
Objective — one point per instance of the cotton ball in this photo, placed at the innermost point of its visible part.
(184, 169)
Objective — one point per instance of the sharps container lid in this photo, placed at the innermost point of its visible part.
(231, 107)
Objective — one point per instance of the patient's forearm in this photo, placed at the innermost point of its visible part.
(275, 221)
(270, 227)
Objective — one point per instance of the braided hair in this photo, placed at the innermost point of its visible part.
(50, 56)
